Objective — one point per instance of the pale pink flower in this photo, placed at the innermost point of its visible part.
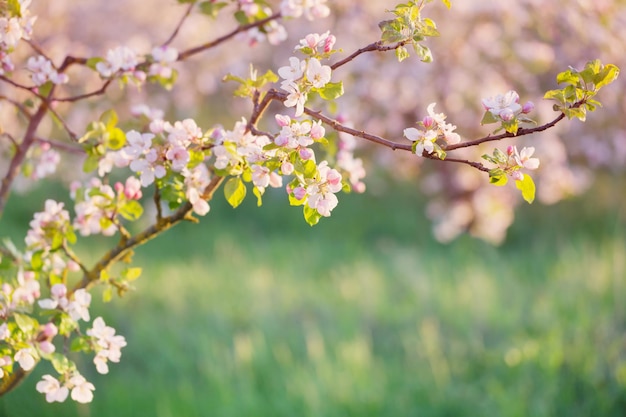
(508, 101)
(52, 388)
(260, 176)
(26, 358)
(78, 308)
(318, 74)
(294, 70)
(295, 97)
(82, 390)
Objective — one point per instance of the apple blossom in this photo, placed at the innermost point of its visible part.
(503, 105)
(296, 98)
(26, 358)
(119, 59)
(82, 390)
(52, 388)
(78, 308)
(294, 71)
(317, 74)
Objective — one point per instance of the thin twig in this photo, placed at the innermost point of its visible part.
(372, 47)
(193, 51)
(64, 146)
(520, 132)
(180, 24)
(98, 92)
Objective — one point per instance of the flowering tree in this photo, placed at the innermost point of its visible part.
(307, 147)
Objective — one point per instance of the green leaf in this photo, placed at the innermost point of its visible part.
(499, 180)
(295, 202)
(211, 9)
(109, 118)
(61, 363)
(35, 261)
(91, 163)
(131, 274)
(80, 344)
(107, 294)
(447, 3)
(25, 323)
(606, 76)
(557, 95)
(115, 138)
(131, 210)
(578, 112)
(527, 185)
(331, 91)
(511, 126)
(306, 168)
(66, 325)
(401, 53)
(235, 191)
(259, 194)
(92, 62)
(569, 77)
(423, 52)
(311, 215)
(489, 118)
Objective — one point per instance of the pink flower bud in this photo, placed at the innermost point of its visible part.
(287, 168)
(510, 150)
(329, 43)
(528, 107)
(46, 347)
(305, 154)
(49, 330)
(282, 120)
(507, 115)
(317, 131)
(58, 291)
(428, 122)
(517, 176)
(311, 40)
(281, 140)
(119, 187)
(299, 193)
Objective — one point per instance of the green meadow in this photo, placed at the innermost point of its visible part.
(254, 313)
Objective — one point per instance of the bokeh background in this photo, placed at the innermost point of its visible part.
(427, 295)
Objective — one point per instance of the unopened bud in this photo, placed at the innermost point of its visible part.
(507, 115)
(528, 107)
(329, 43)
(428, 122)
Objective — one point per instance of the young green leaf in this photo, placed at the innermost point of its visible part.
(235, 191)
(527, 185)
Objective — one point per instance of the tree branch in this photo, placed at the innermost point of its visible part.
(372, 47)
(91, 277)
(196, 50)
(179, 25)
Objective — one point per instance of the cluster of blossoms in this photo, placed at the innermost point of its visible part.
(42, 162)
(82, 390)
(120, 61)
(98, 204)
(515, 161)
(435, 128)
(506, 106)
(43, 71)
(310, 9)
(14, 28)
(302, 76)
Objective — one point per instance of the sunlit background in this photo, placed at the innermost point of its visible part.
(427, 295)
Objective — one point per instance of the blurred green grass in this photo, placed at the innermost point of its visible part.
(255, 313)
